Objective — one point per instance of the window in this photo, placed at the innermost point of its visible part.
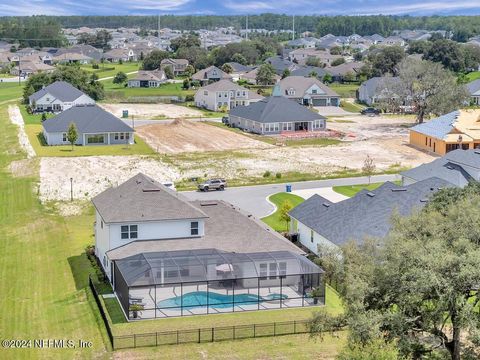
(282, 270)
(272, 271)
(122, 136)
(244, 93)
(101, 224)
(104, 261)
(311, 236)
(263, 271)
(219, 95)
(129, 231)
(426, 139)
(116, 136)
(314, 91)
(205, 92)
(194, 228)
(127, 136)
(95, 139)
(64, 137)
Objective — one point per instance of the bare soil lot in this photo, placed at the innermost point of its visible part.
(152, 111)
(187, 136)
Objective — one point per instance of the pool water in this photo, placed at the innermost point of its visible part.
(215, 300)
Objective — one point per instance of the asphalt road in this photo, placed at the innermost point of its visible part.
(253, 199)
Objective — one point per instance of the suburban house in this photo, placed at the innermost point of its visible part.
(458, 167)
(300, 56)
(57, 97)
(175, 257)
(276, 115)
(95, 126)
(459, 129)
(224, 94)
(307, 71)
(308, 91)
(177, 65)
(148, 79)
(374, 90)
(474, 91)
(116, 55)
(251, 76)
(320, 223)
(27, 68)
(72, 58)
(341, 72)
(210, 74)
(280, 64)
(239, 70)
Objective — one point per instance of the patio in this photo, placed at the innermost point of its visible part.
(183, 283)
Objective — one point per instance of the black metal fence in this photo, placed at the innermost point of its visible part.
(101, 309)
(213, 334)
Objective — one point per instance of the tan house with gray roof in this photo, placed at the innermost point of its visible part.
(308, 91)
(148, 79)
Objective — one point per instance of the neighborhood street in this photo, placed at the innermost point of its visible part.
(253, 199)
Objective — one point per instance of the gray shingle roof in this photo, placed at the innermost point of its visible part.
(301, 84)
(367, 214)
(142, 199)
(275, 109)
(374, 86)
(227, 228)
(306, 71)
(438, 127)
(88, 119)
(458, 167)
(61, 90)
(474, 87)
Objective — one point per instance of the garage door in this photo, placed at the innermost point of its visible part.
(334, 102)
(319, 102)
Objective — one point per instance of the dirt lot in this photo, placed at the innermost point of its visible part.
(188, 136)
(152, 111)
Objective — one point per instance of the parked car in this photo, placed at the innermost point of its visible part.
(370, 111)
(213, 184)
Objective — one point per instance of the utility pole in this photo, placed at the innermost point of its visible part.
(293, 28)
(246, 28)
(159, 31)
(19, 71)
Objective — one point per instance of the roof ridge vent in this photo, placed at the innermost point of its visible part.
(326, 204)
(399, 189)
(371, 194)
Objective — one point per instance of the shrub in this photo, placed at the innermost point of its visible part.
(189, 97)
(95, 66)
(278, 175)
(267, 174)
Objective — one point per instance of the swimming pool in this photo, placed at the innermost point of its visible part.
(215, 300)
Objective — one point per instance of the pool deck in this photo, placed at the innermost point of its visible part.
(148, 296)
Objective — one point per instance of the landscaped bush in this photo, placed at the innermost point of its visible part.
(189, 98)
(90, 252)
(267, 174)
(278, 175)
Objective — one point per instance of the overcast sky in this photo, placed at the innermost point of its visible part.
(237, 7)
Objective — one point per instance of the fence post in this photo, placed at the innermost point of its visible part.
(134, 340)
(199, 336)
(274, 329)
(233, 332)
(213, 334)
(177, 337)
(254, 332)
(294, 326)
(156, 338)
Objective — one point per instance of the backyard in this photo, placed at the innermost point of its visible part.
(107, 69)
(352, 190)
(275, 220)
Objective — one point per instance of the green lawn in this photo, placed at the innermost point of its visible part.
(345, 90)
(114, 91)
(43, 267)
(32, 118)
(351, 107)
(351, 190)
(10, 91)
(33, 131)
(274, 220)
(473, 76)
(111, 69)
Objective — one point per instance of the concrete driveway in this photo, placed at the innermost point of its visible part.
(253, 199)
(326, 192)
(332, 111)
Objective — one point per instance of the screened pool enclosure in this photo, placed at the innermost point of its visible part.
(209, 281)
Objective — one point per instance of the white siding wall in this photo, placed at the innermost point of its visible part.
(102, 241)
(305, 238)
(155, 230)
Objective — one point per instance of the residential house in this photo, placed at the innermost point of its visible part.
(306, 71)
(176, 257)
(116, 55)
(321, 224)
(458, 167)
(210, 74)
(177, 65)
(301, 56)
(305, 42)
(280, 64)
(95, 126)
(148, 79)
(82, 49)
(25, 69)
(340, 72)
(393, 41)
(251, 77)
(474, 91)
(308, 91)
(276, 115)
(375, 90)
(239, 70)
(224, 94)
(459, 129)
(58, 96)
(72, 58)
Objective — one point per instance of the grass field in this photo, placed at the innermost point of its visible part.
(473, 76)
(274, 220)
(351, 107)
(43, 268)
(113, 91)
(32, 119)
(105, 69)
(345, 90)
(351, 190)
(33, 131)
(10, 90)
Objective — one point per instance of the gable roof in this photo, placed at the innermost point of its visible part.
(474, 87)
(88, 119)
(307, 70)
(145, 75)
(223, 85)
(439, 127)
(141, 199)
(275, 109)
(227, 228)
(368, 213)
(301, 84)
(458, 167)
(237, 67)
(61, 90)
(375, 85)
(208, 73)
